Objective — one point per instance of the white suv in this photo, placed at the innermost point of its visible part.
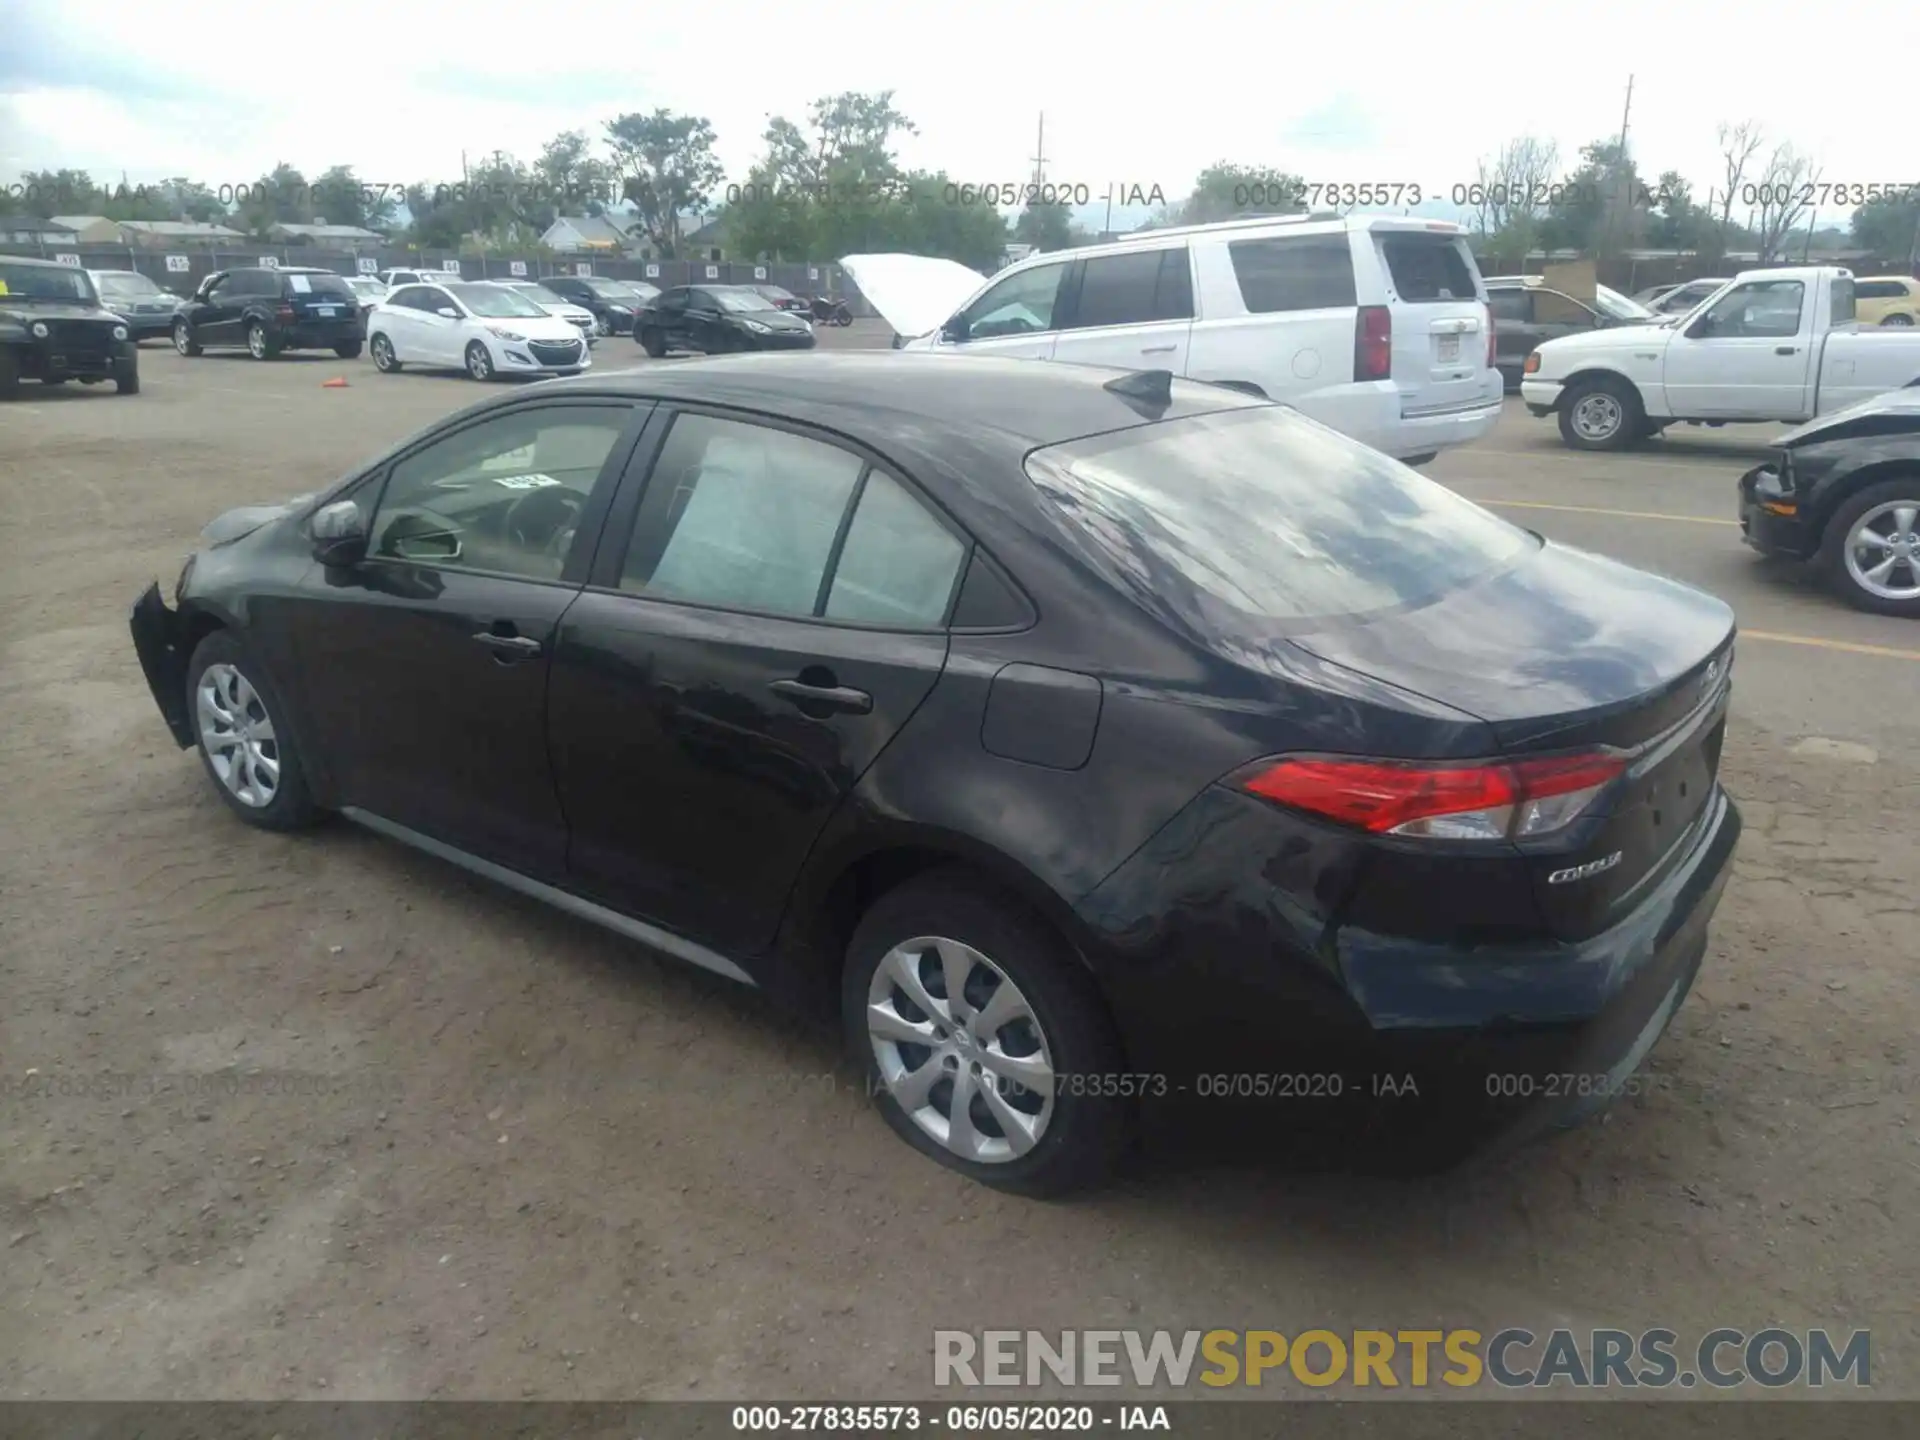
(1377, 326)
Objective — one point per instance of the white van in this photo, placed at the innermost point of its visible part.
(1375, 325)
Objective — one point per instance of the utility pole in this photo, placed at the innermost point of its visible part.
(1626, 168)
(1040, 153)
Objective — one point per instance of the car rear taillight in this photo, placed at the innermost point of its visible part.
(1489, 337)
(1373, 343)
(284, 313)
(1478, 800)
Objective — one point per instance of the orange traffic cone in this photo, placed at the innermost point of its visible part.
(339, 382)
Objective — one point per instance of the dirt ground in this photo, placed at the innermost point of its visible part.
(324, 1117)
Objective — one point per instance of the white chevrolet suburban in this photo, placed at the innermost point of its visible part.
(1777, 345)
(1376, 326)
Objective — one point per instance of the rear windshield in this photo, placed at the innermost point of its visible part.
(304, 284)
(1428, 268)
(1236, 525)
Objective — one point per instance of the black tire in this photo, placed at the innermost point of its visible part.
(126, 376)
(1832, 556)
(479, 362)
(653, 342)
(384, 360)
(1904, 320)
(261, 342)
(183, 341)
(9, 374)
(349, 351)
(1629, 415)
(291, 806)
(1086, 1133)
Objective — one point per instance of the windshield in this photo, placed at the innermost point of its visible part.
(743, 300)
(774, 293)
(46, 282)
(1616, 306)
(539, 294)
(613, 290)
(128, 284)
(366, 285)
(1231, 525)
(496, 302)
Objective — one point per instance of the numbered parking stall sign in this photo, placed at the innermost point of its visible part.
(713, 272)
(450, 267)
(653, 272)
(66, 258)
(517, 268)
(813, 272)
(366, 264)
(178, 264)
(269, 262)
(759, 272)
(583, 267)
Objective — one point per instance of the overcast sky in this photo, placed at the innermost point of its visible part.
(1133, 96)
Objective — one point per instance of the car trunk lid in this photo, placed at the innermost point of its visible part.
(1440, 323)
(1567, 651)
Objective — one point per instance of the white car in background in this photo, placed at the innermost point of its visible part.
(1376, 326)
(368, 290)
(480, 327)
(554, 304)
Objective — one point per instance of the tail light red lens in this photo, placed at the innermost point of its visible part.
(1490, 349)
(1373, 343)
(1491, 800)
(284, 312)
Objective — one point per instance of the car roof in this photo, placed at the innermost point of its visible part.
(32, 260)
(1013, 406)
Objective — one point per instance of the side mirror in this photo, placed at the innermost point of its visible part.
(339, 533)
(955, 331)
(449, 312)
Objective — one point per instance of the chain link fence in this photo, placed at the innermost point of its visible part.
(181, 270)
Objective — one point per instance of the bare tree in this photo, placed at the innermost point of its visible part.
(1781, 196)
(1738, 144)
(1510, 193)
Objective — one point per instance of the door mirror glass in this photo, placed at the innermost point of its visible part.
(448, 311)
(339, 533)
(954, 332)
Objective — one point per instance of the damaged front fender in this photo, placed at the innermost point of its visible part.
(160, 639)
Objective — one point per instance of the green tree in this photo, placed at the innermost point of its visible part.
(341, 198)
(281, 197)
(830, 188)
(1890, 228)
(60, 192)
(570, 179)
(1224, 190)
(666, 167)
(190, 200)
(924, 221)
(1045, 227)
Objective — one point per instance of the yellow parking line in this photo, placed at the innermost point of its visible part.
(1852, 647)
(1601, 510)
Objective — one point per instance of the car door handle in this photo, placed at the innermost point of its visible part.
(830, 697)
(1159, 349)
(517, 647)
(1783, 349)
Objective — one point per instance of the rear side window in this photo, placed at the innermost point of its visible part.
(1874, 289)
(1134, 289)
(1307, 272)
(899, 564)
(1228, 525)
(1428, 268)
(1841, 297)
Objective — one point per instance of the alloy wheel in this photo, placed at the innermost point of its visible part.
(601, 326)
(382, 353)
(1883, 551)
(1598, 416)
(479, 362)
(182, 341)
(238, 736)
(960, 1049)
(257, 341)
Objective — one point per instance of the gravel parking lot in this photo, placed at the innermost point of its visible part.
(355, 1124)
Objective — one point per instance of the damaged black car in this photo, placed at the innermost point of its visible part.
(53, 329)
(1843, 493)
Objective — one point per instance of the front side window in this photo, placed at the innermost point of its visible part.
(740, 517)
(501, 496)
(1761, 309)
(1019, 305)
(1511, 305)
(1233, 524)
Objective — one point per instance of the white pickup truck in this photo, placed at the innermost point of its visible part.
(1770, 345)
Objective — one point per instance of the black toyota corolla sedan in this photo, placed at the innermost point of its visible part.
(1090, 742)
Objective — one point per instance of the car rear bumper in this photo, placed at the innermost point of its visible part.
(322, 335)
(1374, 413)
(160, 641)
(1770, 519)
(800, 341)
(1230, 978)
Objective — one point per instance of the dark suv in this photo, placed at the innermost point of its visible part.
(53, 329)
(613, 302)
(1527, 312)
(268, 311)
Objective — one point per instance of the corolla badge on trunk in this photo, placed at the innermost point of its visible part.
(1586, 871)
